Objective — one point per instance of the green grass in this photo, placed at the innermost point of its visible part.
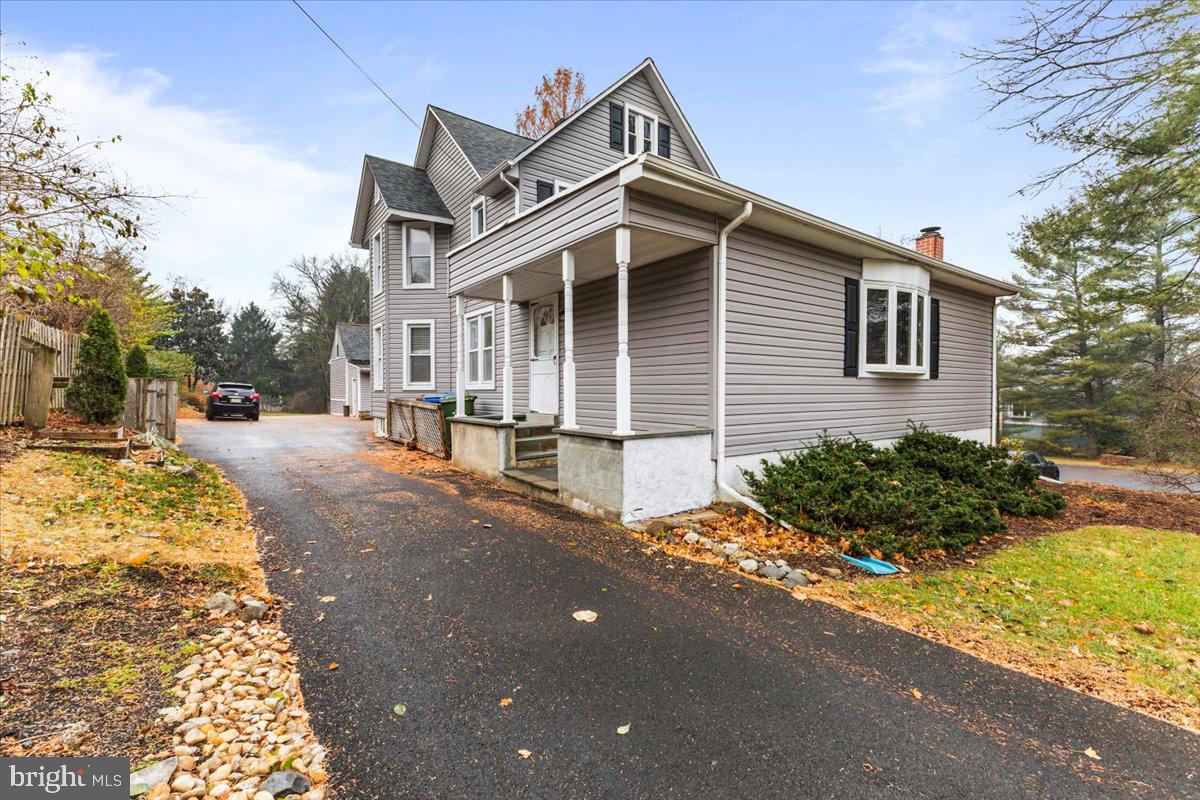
(1085, 588)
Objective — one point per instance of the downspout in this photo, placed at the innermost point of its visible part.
(722, 280)
(516, 193)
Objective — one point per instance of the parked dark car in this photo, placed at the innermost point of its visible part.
(232, 399)
(1046, 467)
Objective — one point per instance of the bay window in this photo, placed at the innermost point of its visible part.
(895, 298)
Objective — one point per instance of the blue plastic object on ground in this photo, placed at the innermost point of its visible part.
(873, 565)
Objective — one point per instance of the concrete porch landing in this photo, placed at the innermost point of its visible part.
(544, 477)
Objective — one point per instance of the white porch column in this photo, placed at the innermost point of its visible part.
(460, 380)
(568, 267)
(624, 413)
(508, 394)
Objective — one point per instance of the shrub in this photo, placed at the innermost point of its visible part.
(929, 491)
(136, 363)
(97, 392)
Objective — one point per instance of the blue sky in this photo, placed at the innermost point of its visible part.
(859, 112)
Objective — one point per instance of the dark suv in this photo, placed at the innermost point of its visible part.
(227, 399)
(1044, 465)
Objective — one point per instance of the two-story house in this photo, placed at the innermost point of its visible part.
(637, 330)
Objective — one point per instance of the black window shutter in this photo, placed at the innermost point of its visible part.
(616, 126)
(664, 140)
(850, 344)
(545, 190)
(935, 336)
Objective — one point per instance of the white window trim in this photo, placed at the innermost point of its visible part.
(482, 206)
(377, 263)
(891, 368)
(631, 109)
(486, 311)
(417, 323)
(561, 186)
(377, 358)
(432, 257)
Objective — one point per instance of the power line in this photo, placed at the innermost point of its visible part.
(355, 63)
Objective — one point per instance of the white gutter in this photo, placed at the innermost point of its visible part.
(719, 428)
(516, 193)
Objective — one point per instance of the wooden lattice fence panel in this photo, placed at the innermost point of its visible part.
(418, 424)
(19, 335)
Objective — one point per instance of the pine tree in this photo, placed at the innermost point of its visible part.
(97, 392)
(198, 329)
(253, 353)
(136, 364)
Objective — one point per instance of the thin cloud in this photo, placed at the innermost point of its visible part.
(918, 62)
(241, 207)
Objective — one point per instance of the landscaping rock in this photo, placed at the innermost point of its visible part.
(127, 462)
(729, 548)
(147, 778)
(771, 572)
(283, 783)
(252, 609)
(748, 565)
(798, 578)
(186, 470)
(221, 602)
(691, 537)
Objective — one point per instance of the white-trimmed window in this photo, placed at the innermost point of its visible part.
(895, 335)
(561, 186)
(418, 257)
(641, 131)
(419, 354)
(377, 357)
(478, 218)
(377, 263)
(481, 348)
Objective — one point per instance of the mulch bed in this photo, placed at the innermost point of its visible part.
(1088, 504)
(90, 653)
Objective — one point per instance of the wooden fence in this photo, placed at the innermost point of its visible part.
(151, 405)
(20, 337)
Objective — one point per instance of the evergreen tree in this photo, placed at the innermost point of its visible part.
(136, 363)
(198, 329)
(253, 354)
(97, 392)
(1069, 351)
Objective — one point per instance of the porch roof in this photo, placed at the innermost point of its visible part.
(583, 219)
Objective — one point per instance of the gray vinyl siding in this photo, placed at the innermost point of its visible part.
(784, 355)
(491, 401)
(646, 211)
(545, 231)
(453, 177)
(413, 304)
(670, 349)
(337, 385)
(379, 305)
(581, 148)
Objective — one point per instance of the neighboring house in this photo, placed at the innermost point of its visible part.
(350, 370)
(636, 329)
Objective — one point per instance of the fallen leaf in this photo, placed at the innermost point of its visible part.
(1143, 627)
(487, 524)
(916, 693)
(333, 665)
(585, 616)
(523, 753)
(139, 558)
(1092, 754)
(329, 598)
(399, 709)
(624, 729)
(505, 701)
(367, 550)
(474, 522)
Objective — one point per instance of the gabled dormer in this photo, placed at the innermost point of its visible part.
(391, 191)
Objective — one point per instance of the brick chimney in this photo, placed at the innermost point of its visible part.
(931, 243)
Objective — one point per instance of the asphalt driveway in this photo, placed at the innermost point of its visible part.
(1112, 476)
(728, 693)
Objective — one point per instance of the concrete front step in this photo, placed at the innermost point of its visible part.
(541, 443)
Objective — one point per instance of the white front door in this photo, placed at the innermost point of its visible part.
(352, 391)
(543, 356)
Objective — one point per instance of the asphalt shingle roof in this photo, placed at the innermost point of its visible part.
(406, 188)
(356, 342)
(485, 145)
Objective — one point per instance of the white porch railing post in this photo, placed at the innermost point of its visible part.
(508, 392)
(624, 412)
(568, 267)
(460, 379)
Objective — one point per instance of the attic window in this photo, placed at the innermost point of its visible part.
(641, 131)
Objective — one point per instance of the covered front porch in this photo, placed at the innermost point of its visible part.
(616, 329)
